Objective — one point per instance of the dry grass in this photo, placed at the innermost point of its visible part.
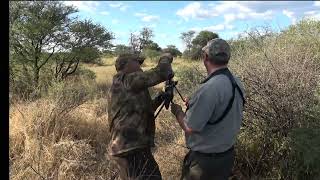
(46, 143)
(71, 146)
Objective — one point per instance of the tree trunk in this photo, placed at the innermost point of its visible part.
(36, 72)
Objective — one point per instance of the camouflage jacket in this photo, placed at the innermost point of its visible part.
(131, 109)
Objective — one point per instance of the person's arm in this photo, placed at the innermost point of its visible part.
(142, 80)
(180, 115)
(200, 110)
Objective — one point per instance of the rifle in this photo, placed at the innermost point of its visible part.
(170, 85)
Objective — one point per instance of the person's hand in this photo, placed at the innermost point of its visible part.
(186, 102)
(176, 109)
(160, 96)
(164, 65)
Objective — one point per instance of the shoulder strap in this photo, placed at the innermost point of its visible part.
(227, 73)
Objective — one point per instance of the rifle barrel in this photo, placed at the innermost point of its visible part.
(179, 93)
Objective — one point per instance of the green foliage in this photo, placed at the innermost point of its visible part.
(88, 34)
(187, 37)
(203, 37)
(43, 36)
(121, 49)
(189, 79)
(20, 84)
(85, 73)
(87, 55)
(305, 153)
(173, 50)
(150, 53)
(153, 46)
(35, 28)
(194, 47)
(107, 53)
(195, 53)
(145, 35)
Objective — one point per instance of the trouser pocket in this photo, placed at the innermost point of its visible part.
(189, 166)
(202, 167)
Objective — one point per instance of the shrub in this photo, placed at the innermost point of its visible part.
(152, 54)
(280, 75)
(305, 156)
(85, 73)
(20, 82)
(189, 79)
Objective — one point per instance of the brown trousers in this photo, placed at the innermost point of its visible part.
(138, 164)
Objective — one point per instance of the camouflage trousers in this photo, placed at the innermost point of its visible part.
(201, 166)
(138, 164)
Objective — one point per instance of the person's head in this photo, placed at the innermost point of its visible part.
(216, 53)
(129, 63)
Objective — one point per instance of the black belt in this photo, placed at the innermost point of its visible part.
(214, 154)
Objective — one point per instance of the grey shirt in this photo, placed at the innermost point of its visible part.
(207, 104)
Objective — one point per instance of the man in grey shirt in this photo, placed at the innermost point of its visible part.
(213, 118)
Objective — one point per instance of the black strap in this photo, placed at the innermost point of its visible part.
(227, 73)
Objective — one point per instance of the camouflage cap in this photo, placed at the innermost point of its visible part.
(123, 59)
(218, 50)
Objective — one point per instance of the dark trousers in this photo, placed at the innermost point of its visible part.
(138, 164)
(201, 166)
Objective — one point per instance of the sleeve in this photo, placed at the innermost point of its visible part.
(201, 107)
(137, 81)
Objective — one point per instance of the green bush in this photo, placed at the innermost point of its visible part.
(305, 155)
(152, 54)
(20, 82)
(85, 73)
(188, 79)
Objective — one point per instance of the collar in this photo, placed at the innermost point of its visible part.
(217, 71)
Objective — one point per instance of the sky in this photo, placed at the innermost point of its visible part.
(168, 19)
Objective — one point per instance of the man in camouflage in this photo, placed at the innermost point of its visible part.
(131, 115)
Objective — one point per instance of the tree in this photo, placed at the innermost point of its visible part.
(152, 45)
(151, 49)
(145, 35)
(85, 42)
(187, 37)
(41, 29)
(37, 27)
(150, 53)
(194, 52)
(139, 41)
(121, 49)
(134, 43)
(203, 37)
(173, 50)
